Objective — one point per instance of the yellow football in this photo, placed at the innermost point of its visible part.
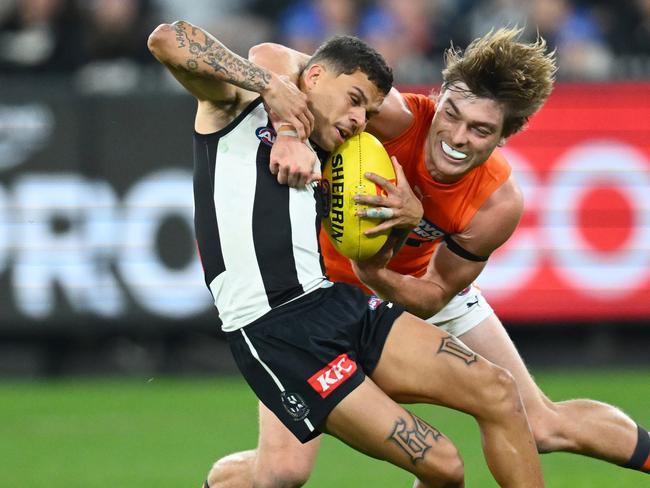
(343, 177)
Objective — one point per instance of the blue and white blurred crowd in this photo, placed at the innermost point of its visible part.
(102, 43)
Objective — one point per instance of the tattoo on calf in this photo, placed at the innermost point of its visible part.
(453, 346)
(414, 439)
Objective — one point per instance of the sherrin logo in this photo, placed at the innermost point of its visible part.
(333, 375)
(345, 171)
(337, 216)
(266, 135)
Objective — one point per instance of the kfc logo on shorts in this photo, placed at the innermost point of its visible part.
(374, 302)
(266, 135)
(333, 375)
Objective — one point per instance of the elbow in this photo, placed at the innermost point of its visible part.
(426, 311)
(262, 51)
(429, 304)
(162, 39)
(156, 40)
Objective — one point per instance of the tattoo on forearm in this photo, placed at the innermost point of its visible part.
(453, 346)
(228, 66)
(180, 34)
(414, 437)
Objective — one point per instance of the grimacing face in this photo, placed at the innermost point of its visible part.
(464, 131)
(341, 104)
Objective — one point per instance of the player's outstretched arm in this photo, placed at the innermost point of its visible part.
(212, 72)
(203, 65)
(449, 272)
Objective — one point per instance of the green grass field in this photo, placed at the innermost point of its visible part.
(162, 433)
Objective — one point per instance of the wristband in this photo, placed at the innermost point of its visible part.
(288, 132)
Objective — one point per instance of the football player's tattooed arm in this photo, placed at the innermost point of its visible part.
(203, 65)
(280, 59)
(288, 64)
(211, 72)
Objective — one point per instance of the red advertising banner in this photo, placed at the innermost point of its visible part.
(96, 219)
(582, 250)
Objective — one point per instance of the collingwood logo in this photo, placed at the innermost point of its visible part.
(294, 405)
(337, 187)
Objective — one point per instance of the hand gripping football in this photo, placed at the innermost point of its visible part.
(343, 177)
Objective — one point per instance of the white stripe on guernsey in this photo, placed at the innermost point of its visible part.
(271, 373)
(304, 237)
(240, 297)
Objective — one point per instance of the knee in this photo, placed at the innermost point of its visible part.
(240, 470)
(232, 470)
(444, 470)
(454, 473)
(498, 393)
(282, 475)
(288, 476)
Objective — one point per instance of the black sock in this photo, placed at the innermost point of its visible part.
(640, 459)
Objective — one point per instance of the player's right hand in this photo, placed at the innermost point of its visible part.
(294, 162)
(286, 103)
(399, 207)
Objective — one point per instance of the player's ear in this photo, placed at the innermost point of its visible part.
(502, 142)
(313, 74)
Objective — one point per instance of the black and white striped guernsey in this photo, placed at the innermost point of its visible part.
(257, 239)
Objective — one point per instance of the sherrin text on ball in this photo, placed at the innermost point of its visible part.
(343, 177)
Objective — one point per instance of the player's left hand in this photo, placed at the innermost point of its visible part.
(399, 207)
(285, 103)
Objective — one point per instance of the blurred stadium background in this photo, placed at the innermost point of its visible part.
(113, 371)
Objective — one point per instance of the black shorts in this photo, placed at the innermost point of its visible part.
(303, 358)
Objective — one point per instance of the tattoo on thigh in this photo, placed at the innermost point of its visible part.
(454, 347)
(414, 439)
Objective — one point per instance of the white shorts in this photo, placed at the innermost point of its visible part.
(464, 312)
